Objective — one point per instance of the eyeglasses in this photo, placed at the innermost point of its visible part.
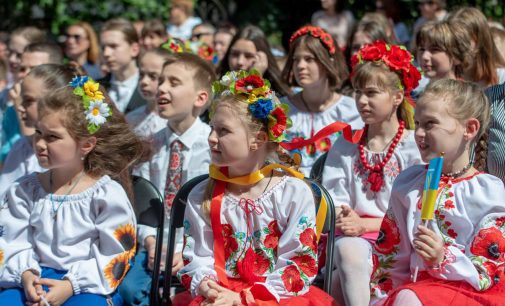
(76, 37)
(199, 35)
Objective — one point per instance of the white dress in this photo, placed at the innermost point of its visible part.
(282, 233)
(469, 216)
(144, 124)
(307, 124)
(20, 162)
(92, 236)
(346, 179)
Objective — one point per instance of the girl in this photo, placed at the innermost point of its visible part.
(249, 49)
(334, 19)
(120, 49)
(153, 35)
(68, 233)
(317, 66)
(81, 46)
(488, 66)
(460, 252)
(359, 176)
(145, 120)
(41, 80)
(250, 239)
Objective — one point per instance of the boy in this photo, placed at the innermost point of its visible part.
(181, 152)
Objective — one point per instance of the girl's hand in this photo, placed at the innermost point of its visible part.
(261, 62)
(177, 263)
(209, 294)
(33, 290)
(429, 246)
(59, 290)
(225, 297)
(349, 222)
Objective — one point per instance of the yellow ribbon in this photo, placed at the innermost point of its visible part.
(251, 178)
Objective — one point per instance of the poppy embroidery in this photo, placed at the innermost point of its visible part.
(389, 236)
(308, 238)
(116, 270)
(500, 221)
(126, 236)
(291, 279)
(272, 239)
(230, 243)
(489, 243)
(307, 264)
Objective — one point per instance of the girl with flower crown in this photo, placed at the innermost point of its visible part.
(67, 234)
(458, 254)
(316, 65)
(359, 176)
(250, 233)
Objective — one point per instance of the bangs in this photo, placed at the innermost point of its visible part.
(435, 35)
(374, 73)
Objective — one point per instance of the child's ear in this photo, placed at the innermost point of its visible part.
(202, 96)
(88, 145)
(398, 97)
(135, 49)
(471, 129)
(259, 140)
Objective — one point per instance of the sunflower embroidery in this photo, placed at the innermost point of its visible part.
(116, 270)
(125, 234)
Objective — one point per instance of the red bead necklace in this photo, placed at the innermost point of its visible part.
(376, 171)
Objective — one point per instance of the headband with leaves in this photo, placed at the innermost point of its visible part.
(96, 110)
(263, 104)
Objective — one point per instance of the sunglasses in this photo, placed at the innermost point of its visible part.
(199, 35)
(76, 37)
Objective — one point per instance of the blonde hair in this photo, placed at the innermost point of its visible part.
(379, 74)
(465, 100)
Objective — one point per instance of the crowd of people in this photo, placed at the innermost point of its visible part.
(361, 105)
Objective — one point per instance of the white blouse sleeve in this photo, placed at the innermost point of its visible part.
(16, 234)
(337, 172)
(115, 244)
(198, 254)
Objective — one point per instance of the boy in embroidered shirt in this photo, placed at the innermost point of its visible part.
(181, 152)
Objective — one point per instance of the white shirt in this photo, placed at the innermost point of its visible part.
(93, 231)
(196, 160)
(184, 30)
(307, 124)
(121, 91)
(20, 162)
(144, 124)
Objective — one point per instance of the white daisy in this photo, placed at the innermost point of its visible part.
(97, 112)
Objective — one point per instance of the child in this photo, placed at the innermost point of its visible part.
(145, 120)
(181, 152)
(222, 38)
(68, 233)
(41, 80)
(460, 252)
(316, 65)
(359, 176)
(153, 34)
(249, 230)
(120, 49)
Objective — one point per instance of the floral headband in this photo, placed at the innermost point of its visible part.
(316, 32)
(174, 45)
(204, 51)
(263, 103)
(96, 110)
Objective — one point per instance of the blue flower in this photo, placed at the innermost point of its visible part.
(79, 81)
(261, 108)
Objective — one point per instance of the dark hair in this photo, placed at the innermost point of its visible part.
(226, 27)
(52, 50)
(117, 147)
(123, 26)
(154, 26)
(273, 73)
(31, 34)
(334, 64)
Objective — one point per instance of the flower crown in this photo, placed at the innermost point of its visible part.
(96, 110)
(174, 45)
(204, 51)
(397, 58)
(263, 104)
(316, 32)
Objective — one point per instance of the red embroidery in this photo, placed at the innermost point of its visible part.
(500, 221)
(449, 204)
(489, 243)
(272, 240)
(261, 264)
(308, 238)
(291, 279)
(230, 243)
(307, 264)
(452, 233)
(389, 236)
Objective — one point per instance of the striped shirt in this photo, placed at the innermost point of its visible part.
(496, 140)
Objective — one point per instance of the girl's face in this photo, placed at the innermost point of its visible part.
(229, 139)
(17, 44)
(32, 89)
(150, 70)
(117, 52)
(242, 55)
(435, 63)
(221, 43)
(437, 131)
(151, 41)
(358, 41)
(307, 69)
(376, 105)
(54, 146)
(77, 42)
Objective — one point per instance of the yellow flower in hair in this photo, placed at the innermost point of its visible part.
(91, 89)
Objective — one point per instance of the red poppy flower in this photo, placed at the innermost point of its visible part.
(307, 264)
(186, 281)
(450, 194)
(489, 243)
(261, 264)
(311, 149)
(500, 221)
(452, 233)
(272, 240)
(448, 223)
(389, 236)
(323, 145)
(410, 78)
(227, 230)
(385, 284)
(308, 238)
(449, 204)
(230, 243)
(249, 83)
(398, 58)
(273, 227)
(291, 279)
(373, 52)
(281, 120)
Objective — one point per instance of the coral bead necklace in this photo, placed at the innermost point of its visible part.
(376, 171)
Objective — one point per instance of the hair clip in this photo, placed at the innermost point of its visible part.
(263, 104)
(316, 32)
(96, 110)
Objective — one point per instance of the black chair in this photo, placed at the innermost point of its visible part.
(177, 219)
(316, 173)
(150, 211)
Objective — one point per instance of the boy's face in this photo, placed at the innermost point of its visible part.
(176, 95)
(435, 63)
(117, 52)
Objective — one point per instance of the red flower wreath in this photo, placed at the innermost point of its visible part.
(249, 83)
(389, 236)
(489, 243)
(278, 122)
(315, 32)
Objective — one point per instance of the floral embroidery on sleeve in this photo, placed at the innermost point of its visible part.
(273, 235)
(116, 269)
(292, 280)
(127, 237)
